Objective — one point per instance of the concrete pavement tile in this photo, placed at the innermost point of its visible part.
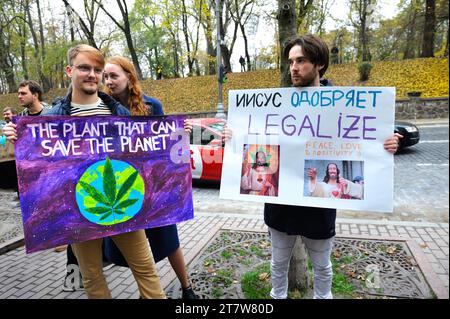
(442, 232)
(438, 268)
(440, 242)
(444, 279)
(421, 231)
(393, 233)
(27, 295)
(426, 238)
(117, 291)
(432, 245)
(431, 258)
(374, 232)
(28, 282)
(44, 277)
(22, 291)
(439, 254)
(131, 288)
(42, 293)
(8, 293)
(124, 295)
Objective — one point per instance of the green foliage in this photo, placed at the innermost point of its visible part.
(197, 94)
(256, 283)
(364, 70)
(341, 285)
(111, 203)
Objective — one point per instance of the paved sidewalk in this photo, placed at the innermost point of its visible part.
(39, 275)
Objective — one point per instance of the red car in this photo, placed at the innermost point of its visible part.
(207, 148)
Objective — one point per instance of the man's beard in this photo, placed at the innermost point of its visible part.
(306, 80)
(89, 91)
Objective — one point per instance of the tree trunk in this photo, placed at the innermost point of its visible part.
(44, 79)
(298, 270)
(304, 6)
(8, 71)
(23, 44)
(247, 55)
(126, 30)
(226, 57)
(410, 33)
(210, 47)
(429, 29)
(287, 26)
(184, 19)
(130, 45)
(446, 46)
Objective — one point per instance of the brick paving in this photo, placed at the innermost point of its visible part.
(39, 275)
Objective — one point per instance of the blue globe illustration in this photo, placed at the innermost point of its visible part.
(102, 203)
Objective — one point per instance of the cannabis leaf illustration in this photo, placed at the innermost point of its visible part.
(110, 200)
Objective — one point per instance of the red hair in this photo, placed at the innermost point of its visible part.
(135, 101)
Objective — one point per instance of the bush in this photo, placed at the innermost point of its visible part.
(364, 70)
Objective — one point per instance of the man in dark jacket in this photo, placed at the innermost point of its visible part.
(308, 58)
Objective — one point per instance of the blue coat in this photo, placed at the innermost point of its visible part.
(154, 105)
(62, 106)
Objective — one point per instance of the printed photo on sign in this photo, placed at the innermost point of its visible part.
(260, 170)
(334, 179)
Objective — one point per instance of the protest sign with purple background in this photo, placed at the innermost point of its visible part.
(86, 178)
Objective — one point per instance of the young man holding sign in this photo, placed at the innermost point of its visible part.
(308, 58)
(85, 69)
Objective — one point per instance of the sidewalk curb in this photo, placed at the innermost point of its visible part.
(12, 244)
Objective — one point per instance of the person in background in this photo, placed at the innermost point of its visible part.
(30, 98)
(8, 113)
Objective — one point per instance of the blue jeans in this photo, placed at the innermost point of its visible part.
(319, 250)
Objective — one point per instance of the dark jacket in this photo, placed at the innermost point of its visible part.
(62, 106)
(311, 222)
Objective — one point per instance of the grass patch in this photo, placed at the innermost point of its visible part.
(341, 286)
(256, 283)
(256, 250)
(224, 276)
(226, 254)
(217, 292)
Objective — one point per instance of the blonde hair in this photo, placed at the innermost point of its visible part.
(91, 52)
(135, 101)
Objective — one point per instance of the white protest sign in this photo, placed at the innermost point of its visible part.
(320, 147)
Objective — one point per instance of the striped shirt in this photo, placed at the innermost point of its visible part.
(97, 108)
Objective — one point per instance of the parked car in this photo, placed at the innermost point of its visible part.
(207, 146)
(410, 132)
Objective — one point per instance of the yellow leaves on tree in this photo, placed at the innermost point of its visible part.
(197, 94)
